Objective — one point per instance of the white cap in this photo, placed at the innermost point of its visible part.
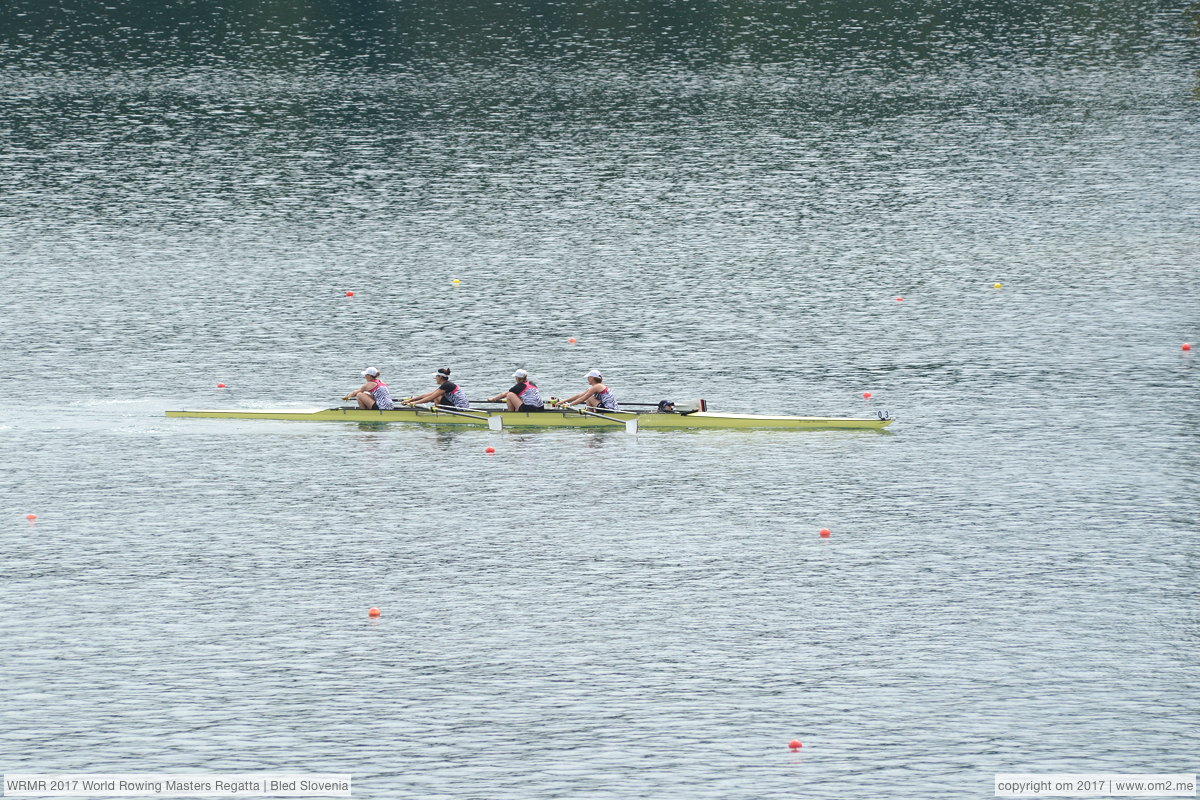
(370, 372)
(520, 374)
(594, 374)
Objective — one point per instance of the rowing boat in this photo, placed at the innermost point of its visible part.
(551, 418)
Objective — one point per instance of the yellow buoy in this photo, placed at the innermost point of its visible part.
(997, 285)
(456, 281)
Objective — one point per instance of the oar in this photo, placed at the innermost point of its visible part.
(493, 423)
(630, 424)
(501, 402)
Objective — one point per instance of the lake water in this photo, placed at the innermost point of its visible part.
(719, 201)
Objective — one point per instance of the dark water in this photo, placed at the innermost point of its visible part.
(717, 200)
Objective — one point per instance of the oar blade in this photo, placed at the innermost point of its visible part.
(495, 423)
(631, 425)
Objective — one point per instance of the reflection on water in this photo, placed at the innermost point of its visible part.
(360, 37)
(446, 437)
(1193, 14)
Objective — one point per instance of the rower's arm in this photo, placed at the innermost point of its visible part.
(425, 398)
(579, 398)
(353, 392)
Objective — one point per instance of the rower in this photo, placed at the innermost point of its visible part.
(596, 395)
(524, 396)
(666, 407)
(372, 394)
(448, 393)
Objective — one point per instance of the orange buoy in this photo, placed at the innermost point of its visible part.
(31, 517)
(349, 294)
(824, 533)
(490, 450)
(373, 612)
(795, 744)
(866, 395)
(1187, 346)
(220, 386)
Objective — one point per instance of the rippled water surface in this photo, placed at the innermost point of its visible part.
(721, 201)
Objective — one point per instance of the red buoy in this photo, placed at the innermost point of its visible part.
(899, 299)
(373, 612)
(825, 533)
(220, 386)
(795, 744)
(866, 395)
(349, 294)
(31, 517)
(1187, 346)
(490, 450)
(571, 340)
